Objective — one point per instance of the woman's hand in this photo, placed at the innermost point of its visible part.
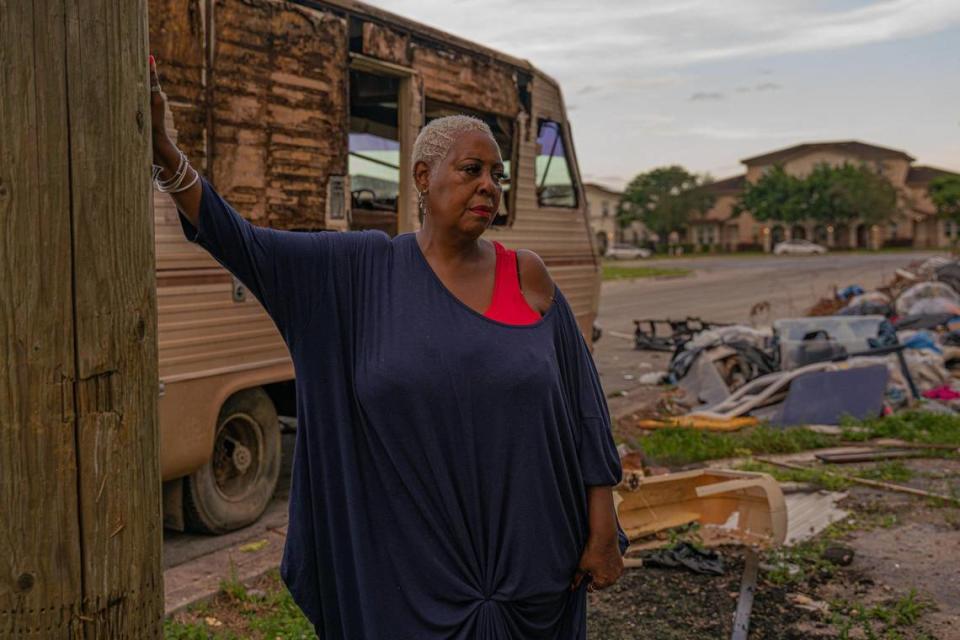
(165, 152)
(600, 563)
(158, 112)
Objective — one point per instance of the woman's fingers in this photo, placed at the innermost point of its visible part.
(579, 576)
(157, 101)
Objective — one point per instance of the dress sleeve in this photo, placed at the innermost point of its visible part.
(282, 269)
(599, 460)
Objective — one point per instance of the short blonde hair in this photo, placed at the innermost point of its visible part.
(434, 142)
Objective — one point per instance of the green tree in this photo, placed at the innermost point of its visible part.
(829, 194)
(849, 193)
(664, 199)
(775, 196)
(945, 194)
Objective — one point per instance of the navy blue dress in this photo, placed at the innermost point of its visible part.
(442, 458)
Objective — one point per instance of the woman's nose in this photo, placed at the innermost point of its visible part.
(488, 184)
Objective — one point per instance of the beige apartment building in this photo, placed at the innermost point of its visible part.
(915, 224)
(602, 206)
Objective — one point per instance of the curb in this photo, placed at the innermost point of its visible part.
(199, 580)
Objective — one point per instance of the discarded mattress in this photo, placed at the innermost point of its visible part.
(824, 397)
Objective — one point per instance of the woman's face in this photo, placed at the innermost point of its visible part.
(464, 191)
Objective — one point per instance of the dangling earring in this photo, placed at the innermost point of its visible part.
(420, 203)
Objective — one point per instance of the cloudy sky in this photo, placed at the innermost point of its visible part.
(705, 83)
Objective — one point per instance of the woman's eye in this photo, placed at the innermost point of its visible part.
(472, 169)
(502, 178)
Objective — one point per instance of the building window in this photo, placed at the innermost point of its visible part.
(605, 207)
(706, 235)
(892, 231)
(950, 228)
(555, 186)
(502, 128)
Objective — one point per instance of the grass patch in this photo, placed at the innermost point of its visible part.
(911, 426)
(804, 560)
(684, 446)
(238, 612)
(881, 621)
(681, 446)
(833, 479)
(616, 272)
(807, 476)
(894, 471)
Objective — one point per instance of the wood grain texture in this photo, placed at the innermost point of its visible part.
(40, 578)
(115, 318)
(79, 480)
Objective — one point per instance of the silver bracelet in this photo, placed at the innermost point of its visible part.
(196, 178)
(175, 183)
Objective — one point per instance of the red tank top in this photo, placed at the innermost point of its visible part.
(508, 305)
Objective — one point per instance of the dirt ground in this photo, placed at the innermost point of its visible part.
(903, 583)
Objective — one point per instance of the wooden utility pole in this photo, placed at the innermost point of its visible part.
(80, 523)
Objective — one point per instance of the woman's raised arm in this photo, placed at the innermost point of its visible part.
(167, 156)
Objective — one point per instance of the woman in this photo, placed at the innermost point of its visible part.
(454, 463)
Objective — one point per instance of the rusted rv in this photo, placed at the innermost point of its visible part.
(303, 115)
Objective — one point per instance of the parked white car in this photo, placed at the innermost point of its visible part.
(627, 252)
(798, 248)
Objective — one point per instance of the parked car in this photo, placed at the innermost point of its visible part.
(798, 248)
(627, 252)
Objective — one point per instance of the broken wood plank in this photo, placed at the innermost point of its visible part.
(889, 486)
(894, 443)
(748, 586)
(869, 456)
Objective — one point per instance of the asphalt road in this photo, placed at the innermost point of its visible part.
(721, 289)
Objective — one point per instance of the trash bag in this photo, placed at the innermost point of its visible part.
(920, 340)
(929, 321)
(943, 299)
(867, 308)
(849, 292)
(949, 274)
(684, 555)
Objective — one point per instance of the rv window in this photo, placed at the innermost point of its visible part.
(555, 186)
(502, 128)
(374, 151)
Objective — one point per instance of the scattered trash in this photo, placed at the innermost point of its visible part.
(941, 393)
(888, 486)
(253, 547)
(838, 554)
(680, 331)
(810, 513)
(870, 455)
(849, 292)
(806, 340)
(748, 585)
(654, 377)
(928, 298)
(824, 397)
(628, 376)
(684, 555)
(696, 422)
(808, 604)
(731, 506)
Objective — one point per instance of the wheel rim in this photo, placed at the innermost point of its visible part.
(237, 455)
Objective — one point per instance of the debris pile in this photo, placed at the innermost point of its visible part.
(861, 354)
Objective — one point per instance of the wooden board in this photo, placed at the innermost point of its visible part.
(78, 444)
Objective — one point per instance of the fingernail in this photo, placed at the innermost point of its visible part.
(153, 60)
